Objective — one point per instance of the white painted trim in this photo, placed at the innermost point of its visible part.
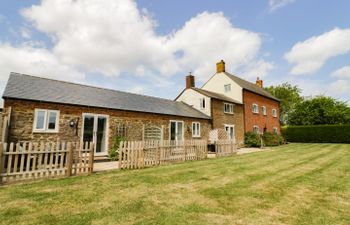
(234, 130)
(226, 103)
(95, 130)
(46, 119)
(262, 109)
(256, 126)
(199, 129)
(274, 114)
(257, 106)
(176, 127)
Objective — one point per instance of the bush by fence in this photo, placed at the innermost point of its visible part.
(317, 133)
(253, 139)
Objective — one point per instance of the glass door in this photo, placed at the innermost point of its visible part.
(176, 130)
(95, 130)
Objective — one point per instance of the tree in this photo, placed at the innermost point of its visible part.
(320, 110)
(289, 97)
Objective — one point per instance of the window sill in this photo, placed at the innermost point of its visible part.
(45, 132)
(229, 113)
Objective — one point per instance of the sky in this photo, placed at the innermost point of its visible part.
(149, 46)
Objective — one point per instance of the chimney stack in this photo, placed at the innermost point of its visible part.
(190, 81)
(259, 82)
(220, 67)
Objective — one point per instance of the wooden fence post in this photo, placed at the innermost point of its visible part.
(91, 160)
(70, 159)
(1, 164)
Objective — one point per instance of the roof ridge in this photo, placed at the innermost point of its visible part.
(90, 86)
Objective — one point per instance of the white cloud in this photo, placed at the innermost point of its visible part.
(37, 61)
(310, 55)
(257, 69)
(340, 87)
(343, 72)
(113, 36)
(276, 4)
(25, 33)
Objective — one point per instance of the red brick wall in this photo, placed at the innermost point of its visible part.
(251, 119)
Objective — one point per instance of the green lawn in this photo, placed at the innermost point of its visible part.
(291, 184)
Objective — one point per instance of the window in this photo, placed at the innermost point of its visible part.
(228, 108)
(255, 108)
(45, 120)
(196, 129)
(256, 129)
(202, 103)
(275, 130)
(274, 112)
(227, 87)
(230, 129)
(264, 110)
(176, 130)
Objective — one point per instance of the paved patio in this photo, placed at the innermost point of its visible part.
(104, 166)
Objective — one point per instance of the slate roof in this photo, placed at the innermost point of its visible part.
(216, 95)
(251, 87)
(21, 86)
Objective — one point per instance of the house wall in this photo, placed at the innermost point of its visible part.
(192, 98)
(219, 118)
(216, 84)
(22, 117)
(259, 119)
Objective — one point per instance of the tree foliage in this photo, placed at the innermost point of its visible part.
(289, 97)
(319, 110)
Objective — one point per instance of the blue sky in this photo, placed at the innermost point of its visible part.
(148, 46)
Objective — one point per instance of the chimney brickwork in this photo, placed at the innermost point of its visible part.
(220, 67)
(190, 81)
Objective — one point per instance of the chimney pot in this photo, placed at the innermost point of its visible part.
(259, 82)
(220, 67)
(190, 81)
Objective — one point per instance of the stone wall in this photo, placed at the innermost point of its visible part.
(220, 118)
(21, 128)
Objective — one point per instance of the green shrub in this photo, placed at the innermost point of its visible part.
(318, 133)
(272, 139)
(114, 152)
(252, 139)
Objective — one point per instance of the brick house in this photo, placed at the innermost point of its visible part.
(225, 112)
(50, 110)
(251, 103)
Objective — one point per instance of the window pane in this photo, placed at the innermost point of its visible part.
(172, 130)
(40, 117)
(52, 120)
(179, 131)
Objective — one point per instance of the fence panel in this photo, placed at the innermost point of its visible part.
(140, 154)
(33, 160)
(225, 147)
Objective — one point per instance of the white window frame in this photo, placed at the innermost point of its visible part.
(227, 88)
(274, 112)
(176, 129)
(275, 130)
(264, 110)
(257, 108)
(197, 131)
(230, 107)
(228, 133)
(256, 129)
(202, 103)
(46, 121)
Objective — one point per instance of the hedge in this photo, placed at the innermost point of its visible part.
(252, 139)
(317, 133)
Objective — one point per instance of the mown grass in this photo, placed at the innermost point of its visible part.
(291, 184)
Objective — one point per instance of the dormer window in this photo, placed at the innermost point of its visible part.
(202, 103)
(227, 87)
